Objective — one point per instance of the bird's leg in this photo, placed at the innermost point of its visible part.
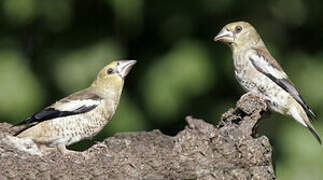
(44, 148)
(62, 149)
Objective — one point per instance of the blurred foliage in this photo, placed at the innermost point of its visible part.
(20, 92)
(81, 65)
(170, 76)
(49, 49)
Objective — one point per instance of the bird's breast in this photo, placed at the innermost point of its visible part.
(241, 62)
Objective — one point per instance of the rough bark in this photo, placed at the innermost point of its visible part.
(200, 151)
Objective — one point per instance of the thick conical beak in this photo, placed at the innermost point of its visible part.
(224, 36)
(124, 67)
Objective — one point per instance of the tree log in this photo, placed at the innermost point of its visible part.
(200, 151)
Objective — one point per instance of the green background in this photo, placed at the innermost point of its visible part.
(50, 49)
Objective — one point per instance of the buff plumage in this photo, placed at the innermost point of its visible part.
(258, 72)
(81, 115)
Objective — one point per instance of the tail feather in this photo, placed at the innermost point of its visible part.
(15, 125)
(310, 113)
(22, 130)
(315, 134)
(300, 116)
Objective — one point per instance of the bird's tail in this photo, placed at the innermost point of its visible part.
(300, 116)
(18, 133)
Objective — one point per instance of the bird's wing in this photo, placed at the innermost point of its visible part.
(77, 103)
(267, 65)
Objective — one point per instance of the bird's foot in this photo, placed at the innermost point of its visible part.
(69, 155)
(62, 149)
(45, 149)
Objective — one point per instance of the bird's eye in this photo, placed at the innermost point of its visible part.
(110, 71)
(238, 29)
(118, 63)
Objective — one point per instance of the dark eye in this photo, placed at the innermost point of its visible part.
(110, 71)
(238, 29)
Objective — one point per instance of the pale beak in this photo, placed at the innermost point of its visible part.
(124, 67)
(224, 36)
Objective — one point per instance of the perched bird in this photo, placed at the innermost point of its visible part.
(81, 115)
(258, 72)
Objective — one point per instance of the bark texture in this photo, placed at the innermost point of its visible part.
(200, 151)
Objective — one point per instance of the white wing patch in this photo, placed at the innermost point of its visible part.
(263, 64)
(76, 104)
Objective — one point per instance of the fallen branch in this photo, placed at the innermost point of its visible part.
(200, 151)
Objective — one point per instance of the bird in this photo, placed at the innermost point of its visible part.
(259, 73)
(82, 114)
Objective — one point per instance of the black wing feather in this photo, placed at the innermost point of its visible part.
(288, 87)
(51, 113)
(285, 84)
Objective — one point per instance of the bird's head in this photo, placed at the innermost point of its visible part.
(112, 75)
(238, 34)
